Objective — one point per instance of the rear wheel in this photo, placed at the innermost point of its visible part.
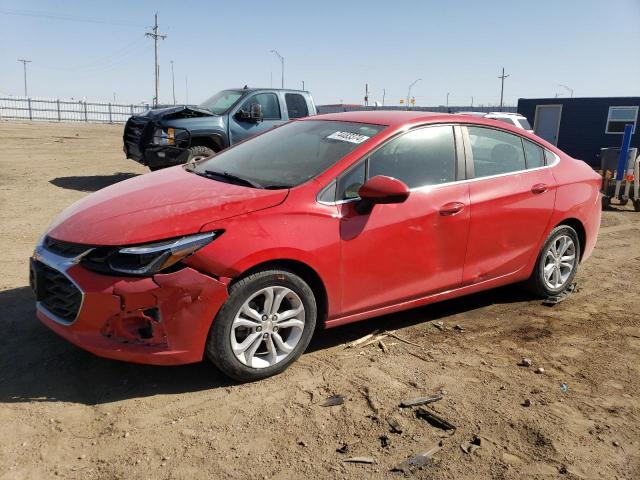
(557, 263)
(264, 326)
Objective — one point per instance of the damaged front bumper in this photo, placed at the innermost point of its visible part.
(160, 320)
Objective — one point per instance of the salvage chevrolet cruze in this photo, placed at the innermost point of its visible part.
(320, 222)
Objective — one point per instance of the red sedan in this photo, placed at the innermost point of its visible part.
(320, 222)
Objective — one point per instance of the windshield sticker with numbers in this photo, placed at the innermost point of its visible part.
(348, 137)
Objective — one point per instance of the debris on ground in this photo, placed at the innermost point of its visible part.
(539, 370)
(525, 362)
(360, 460)
(344, 448)
(471, 446)
(460, 328)
(361, 340)
(396, 426)
(434, 419)
(564, 387)
(302, 443)
(383, 346)
(333, 400)
(384, 441)
(414, 402)
(366, 392)
(555, 299)
(526, 402)
(439, 325)
(419, 460)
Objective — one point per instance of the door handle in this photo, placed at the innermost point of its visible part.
(540, 188)
(451, 208)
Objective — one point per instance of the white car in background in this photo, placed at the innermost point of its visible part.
(515, 119)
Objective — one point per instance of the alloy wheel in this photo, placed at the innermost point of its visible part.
(560, 261)
(267, 327)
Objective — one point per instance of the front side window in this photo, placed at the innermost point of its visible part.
(288, 155)
(269, 103)
(534, 154)
(619, 117)
(296, 105)
(495, 152)
(351, 181)
(425, 156)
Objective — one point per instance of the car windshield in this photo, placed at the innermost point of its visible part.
(288, 155)
(221, 101)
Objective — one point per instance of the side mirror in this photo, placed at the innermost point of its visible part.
(256, 112)
(383, 190)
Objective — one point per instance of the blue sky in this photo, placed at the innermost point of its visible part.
(334, 46)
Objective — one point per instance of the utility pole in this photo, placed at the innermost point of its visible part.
(471, 101)
(24, 66)
(302, 84)
(447, 99)
(384, 93)
(366, 94)
(155, 35)
(282, 65)
(502, 77)
(173, 83)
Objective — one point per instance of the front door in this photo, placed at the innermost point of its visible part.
(241, 129)
(511, 205)
(547, 122)
(403, 251)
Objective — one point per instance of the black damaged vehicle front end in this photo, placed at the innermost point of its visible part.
(162, 138)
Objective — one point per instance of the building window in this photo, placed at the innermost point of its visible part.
(619, 117)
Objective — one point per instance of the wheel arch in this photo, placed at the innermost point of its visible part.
(304, 271)
(578, 226)
(214, 142)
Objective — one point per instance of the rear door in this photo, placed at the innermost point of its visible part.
(512, 196)
(240, 129)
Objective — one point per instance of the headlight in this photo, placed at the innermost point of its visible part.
(147, 259)
(162, 137)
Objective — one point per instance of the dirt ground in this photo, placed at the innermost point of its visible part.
(66, 413)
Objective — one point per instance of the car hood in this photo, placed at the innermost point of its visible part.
(180, 111)
(164, 204)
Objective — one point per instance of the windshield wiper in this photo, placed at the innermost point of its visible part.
(233, 178)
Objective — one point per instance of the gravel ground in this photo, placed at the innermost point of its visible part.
(65, 412)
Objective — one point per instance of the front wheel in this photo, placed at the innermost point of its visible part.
(264, 326)
(198, 153)
(557, 263)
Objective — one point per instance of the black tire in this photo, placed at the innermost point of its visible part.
(536, 283)
(218, 348)
(636, 204)
(198, 152)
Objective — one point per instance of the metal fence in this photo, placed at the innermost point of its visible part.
(439, 108)
(55, 110)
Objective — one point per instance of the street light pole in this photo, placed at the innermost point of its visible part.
(173, 83)
(409, 91)
(24, 66)
(447, 99)
(282, 65)
(568, 89)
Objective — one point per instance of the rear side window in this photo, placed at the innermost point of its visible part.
(495, 152)
(270, 105)
(534, 154)
(296, 105)
(550, 157)
(425, 156)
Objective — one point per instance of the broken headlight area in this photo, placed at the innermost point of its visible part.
(147, 259)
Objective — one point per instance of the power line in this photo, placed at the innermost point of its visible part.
(71, 18)
(155, 35)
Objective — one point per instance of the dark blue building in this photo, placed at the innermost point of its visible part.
(582, 126)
